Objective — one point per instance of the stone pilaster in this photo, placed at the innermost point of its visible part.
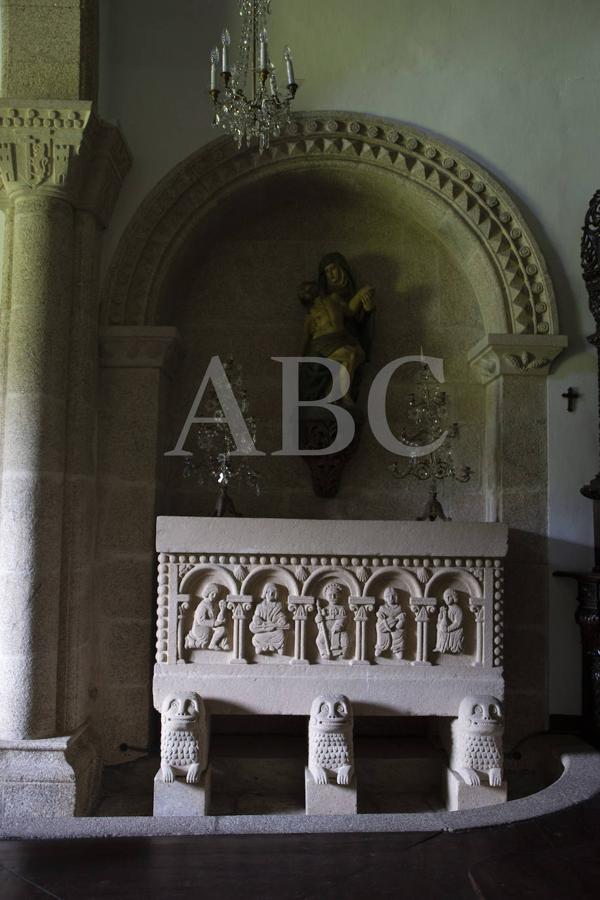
(61, 170)
(136, 364)
(514, 368)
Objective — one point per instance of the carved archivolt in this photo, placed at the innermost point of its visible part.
(161, 226)
(215, 609)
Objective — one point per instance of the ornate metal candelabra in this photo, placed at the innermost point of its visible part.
(213, 459)
(264, 112)
(428, 413)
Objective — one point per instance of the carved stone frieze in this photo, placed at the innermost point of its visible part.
(160, 227)
(511, 354)
(246, 606)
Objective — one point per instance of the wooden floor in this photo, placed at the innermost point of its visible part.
(554, 857)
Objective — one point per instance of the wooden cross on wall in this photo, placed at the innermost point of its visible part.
(570, 396)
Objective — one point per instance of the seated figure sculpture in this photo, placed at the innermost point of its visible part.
(269, 623)
(390, 625)
(332, 639)
(208, 631)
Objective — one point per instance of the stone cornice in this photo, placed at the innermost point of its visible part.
(146, 347)
(60, 148)
(515, 354)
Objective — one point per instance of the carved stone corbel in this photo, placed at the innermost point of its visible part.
(515, 354)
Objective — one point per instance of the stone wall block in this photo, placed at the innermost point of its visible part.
(43, 44)
(127, 423)
(126, 586)
(127, 716)
(128, 652)
(126, 516)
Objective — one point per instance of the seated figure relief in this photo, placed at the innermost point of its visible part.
(331, 619)
(390, 625)
(269, 623)
(208, 630)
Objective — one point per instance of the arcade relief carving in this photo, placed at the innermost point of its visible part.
(329, 611)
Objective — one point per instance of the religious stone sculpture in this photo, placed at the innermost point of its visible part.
(330, 742)
(331, 619)
(183, 742)
(269, 623)
(208, 630)
(450, 632)
(335, 313)
(390, 625)
(338, 326)
(477, 740)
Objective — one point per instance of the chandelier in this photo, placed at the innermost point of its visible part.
(428, 412)
(246, 96)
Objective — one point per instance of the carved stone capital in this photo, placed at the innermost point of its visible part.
(515, 354)
(140, 347)
(61, 149)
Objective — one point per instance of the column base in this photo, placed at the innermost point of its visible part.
(50, 777)
(465, 796)
(180, 798)
(329, 799)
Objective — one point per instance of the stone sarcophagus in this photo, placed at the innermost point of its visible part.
(262, 616)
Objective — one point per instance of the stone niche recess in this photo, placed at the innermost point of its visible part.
(211, 264)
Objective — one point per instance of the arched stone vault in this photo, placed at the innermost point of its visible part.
(519, 299)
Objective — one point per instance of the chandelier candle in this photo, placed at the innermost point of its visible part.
(226, 39)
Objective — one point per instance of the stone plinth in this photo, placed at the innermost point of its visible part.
(465, 796)
(329, 799)
(178, 798)
(49, 777)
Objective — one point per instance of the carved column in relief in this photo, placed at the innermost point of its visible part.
(361, 607)
(239, 606)
(478, 609)
(183, 604)
(422, 608)
(300, 608)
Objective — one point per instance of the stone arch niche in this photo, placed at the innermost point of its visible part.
(210, 264)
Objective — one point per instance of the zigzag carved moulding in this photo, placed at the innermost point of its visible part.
(159, 228)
